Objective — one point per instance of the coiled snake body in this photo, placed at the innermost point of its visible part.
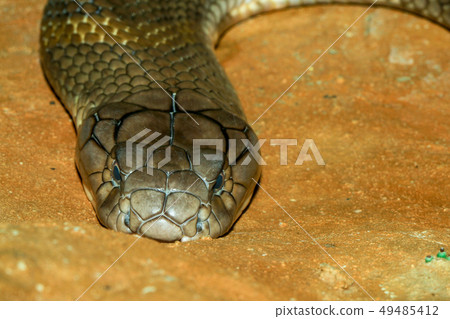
(126, 70)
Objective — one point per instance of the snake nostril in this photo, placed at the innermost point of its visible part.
(116, 173)
(199, 226)
(127, 220)
(219, 182)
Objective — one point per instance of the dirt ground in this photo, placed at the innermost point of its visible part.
(377, 108)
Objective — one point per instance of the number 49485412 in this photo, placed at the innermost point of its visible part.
(409, 310)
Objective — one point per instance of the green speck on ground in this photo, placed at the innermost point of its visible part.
(403, 79)
(333, 51)
(298, 57)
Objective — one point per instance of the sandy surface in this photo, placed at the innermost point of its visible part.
(376, 106)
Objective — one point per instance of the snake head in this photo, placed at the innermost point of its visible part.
(166, 174)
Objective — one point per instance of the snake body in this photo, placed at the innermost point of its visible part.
(127, 68)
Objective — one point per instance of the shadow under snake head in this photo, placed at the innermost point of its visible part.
(160, 172)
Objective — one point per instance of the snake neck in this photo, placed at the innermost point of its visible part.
(121, 53)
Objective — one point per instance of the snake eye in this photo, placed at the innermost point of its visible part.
(219, 182)
(116, 173)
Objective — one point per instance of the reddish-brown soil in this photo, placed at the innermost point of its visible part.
(377, 108)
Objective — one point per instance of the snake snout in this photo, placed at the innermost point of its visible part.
(165, 195)
(165, 201)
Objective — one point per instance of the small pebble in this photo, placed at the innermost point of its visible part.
(21, 265)
(169, 278)
(39, 287)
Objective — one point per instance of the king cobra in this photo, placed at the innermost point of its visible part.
(143, 87)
